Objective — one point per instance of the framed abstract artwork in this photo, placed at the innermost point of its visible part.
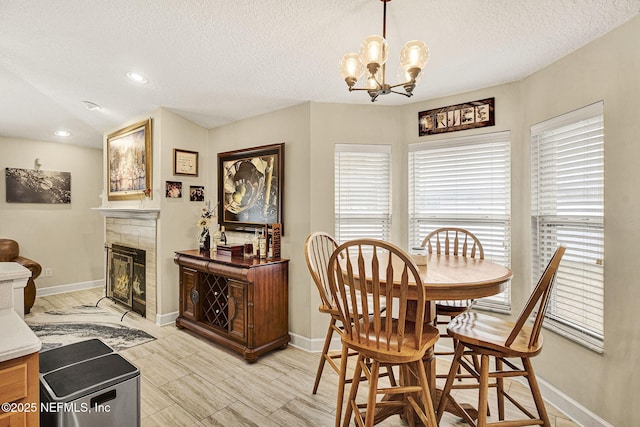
(250, 187)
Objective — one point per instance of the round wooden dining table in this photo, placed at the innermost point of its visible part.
(446, 277)
(451, 277)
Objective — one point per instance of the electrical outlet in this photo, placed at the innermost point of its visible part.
(48, 272)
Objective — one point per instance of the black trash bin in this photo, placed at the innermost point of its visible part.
(87, 384)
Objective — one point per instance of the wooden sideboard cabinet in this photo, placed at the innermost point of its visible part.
(239, 303)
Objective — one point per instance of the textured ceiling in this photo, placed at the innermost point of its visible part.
(215, 62)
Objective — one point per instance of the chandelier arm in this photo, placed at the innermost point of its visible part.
(402, 84)
(408, 95)
(360, 88)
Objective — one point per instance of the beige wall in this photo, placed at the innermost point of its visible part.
(66, 238)
(290, 126)
(608, 70)
(177, 228)
(333, 124)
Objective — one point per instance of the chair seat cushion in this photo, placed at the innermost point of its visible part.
(488, 334)
(408, 353)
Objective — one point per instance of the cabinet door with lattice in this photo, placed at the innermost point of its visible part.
(215, 301)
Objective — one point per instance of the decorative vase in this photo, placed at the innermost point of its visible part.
(205, 243)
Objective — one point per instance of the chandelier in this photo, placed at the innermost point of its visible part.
(373, 54)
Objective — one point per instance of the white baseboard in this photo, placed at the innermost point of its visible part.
(313, 345)
(574, 410)
(61, 289)
(166, 319)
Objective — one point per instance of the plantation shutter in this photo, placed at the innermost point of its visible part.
(567, 190)
(464, 182)
(362, 192)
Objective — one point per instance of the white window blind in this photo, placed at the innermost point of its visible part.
(362, 192)
(567, 190)
(464, 182)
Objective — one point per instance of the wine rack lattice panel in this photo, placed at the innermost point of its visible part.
(215, 302)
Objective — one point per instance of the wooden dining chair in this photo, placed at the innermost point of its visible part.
(485, 336)
(457, 242)
(386, 341)
(317, 249)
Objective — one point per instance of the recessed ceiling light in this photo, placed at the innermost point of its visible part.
(62, 133)
(136, 77)
(91, 106)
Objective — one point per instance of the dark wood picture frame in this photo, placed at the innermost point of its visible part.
(468, 115)
(250, 187)
(129, 166)
(185, 162)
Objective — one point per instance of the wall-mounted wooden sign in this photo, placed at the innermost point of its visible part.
(469, 115)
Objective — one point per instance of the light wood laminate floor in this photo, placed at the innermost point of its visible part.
(188, 381)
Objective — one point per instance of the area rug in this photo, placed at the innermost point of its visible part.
(59, 327)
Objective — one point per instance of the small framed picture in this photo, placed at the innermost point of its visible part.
(196, 193)
(185, 162)
(173, 189)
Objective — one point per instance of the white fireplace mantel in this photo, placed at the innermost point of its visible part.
(144, 213)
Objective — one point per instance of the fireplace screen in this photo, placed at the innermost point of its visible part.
(121, 277)
(126, 278)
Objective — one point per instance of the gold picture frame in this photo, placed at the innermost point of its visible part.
(185, 162)
(129, 162)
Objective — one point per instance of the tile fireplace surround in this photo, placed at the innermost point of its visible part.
(136, 228)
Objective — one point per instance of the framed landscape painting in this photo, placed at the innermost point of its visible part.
(129, 162)
(250, 187)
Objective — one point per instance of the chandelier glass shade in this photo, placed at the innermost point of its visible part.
(371, 60)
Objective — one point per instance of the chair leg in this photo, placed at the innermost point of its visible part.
(483, 398)
(427, 402)
(535, 391)
(373, 389)
(325, 352)
(391, 375)
(444, 397)
(500, 389)
(351, 402)
(408, 411)
(341, 383)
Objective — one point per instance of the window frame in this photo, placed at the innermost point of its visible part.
(493, 226)
(574, 145)
(376, 220)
